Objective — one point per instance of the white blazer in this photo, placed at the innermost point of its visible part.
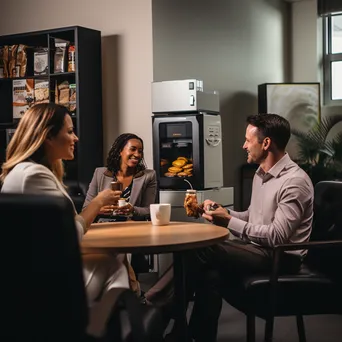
(33, 178)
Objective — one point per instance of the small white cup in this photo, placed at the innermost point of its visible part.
(121, 202)
(160, 214)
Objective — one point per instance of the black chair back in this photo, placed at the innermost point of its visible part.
(43, 290)
(328, 211)
(327, 225)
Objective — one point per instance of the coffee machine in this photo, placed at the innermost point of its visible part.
(187, 142)
(187, 146)
(187, 138)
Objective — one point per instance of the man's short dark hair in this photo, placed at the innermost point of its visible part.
(273, 126)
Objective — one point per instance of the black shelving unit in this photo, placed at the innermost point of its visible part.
(87, 117)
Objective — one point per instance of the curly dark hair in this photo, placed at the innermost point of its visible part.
(271, 125)
(114, 159)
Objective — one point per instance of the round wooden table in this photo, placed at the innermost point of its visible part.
(142, 236)
(135, 236)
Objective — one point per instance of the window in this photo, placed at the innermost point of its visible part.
(333, 60)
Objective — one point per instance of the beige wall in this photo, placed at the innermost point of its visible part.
(307, 48)
(306, 42)
(126, 27)
(232, 46)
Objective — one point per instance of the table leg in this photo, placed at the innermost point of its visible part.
(181, 325)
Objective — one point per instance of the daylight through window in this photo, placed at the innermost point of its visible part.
(333, 60)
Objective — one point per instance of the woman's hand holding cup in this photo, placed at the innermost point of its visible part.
(125, 209)
(109, 197)
(107, 209)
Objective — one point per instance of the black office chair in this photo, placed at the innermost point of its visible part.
(43, 294)
(77, 191)
(316, 289)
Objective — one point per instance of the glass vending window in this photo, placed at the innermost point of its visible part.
(176, 149)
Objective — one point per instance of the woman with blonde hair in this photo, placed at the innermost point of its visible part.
(44, 137)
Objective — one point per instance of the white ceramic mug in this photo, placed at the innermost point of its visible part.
(160, 214)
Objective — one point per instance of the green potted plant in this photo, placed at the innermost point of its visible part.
(319, 154)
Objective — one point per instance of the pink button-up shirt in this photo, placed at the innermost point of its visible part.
(281, 208)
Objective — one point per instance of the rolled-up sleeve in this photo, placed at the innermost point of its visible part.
(294, 205)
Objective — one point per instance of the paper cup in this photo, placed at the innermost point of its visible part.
(121, 202)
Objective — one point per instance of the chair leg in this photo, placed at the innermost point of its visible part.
(301, 328)
(269, 329)
(250, 328)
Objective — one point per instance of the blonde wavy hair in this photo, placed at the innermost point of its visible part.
(41, 121)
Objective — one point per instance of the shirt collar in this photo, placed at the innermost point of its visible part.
(275, 169)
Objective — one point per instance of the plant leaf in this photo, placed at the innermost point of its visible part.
(336, 146)
(322, 129)
(312, 145)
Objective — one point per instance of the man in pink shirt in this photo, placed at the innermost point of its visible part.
(281, 211)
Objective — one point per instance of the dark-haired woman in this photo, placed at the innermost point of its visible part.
(125, 163)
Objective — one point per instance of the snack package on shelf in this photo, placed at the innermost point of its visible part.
(56, 92)
(40, 61)
(2, 67)
(63, 93)
(12, 60)
(72, 98)
(60, 58)
(21, 64)
(41, 91)
(5, 58)
(23, 96)
(71, 59)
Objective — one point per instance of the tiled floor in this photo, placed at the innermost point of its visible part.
(232, 326)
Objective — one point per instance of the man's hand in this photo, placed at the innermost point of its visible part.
(207, 204)
(219, 216)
